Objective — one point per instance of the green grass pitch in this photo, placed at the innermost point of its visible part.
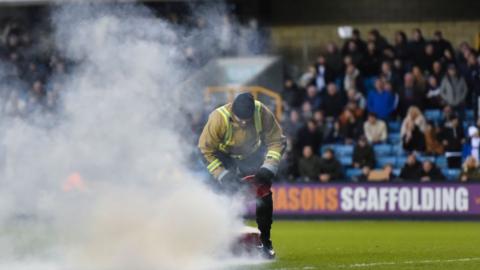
(309, 245)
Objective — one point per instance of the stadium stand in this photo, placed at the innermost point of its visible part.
(401, 73)
(405, 73)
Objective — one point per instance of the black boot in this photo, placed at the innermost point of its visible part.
(264, 221)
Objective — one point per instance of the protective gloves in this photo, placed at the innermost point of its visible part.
(229, 179)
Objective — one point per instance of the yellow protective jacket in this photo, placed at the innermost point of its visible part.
(222, 133)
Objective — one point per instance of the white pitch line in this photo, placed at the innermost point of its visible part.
(362, 265)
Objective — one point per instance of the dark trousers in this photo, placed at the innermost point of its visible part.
(264, 205)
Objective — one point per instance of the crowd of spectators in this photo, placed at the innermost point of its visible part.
(30, 74)
(33, 72)
(416, 98)
(419, 94)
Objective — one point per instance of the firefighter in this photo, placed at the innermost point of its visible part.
(244, 138)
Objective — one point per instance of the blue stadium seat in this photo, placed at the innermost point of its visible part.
(394, 126)
(397, 171)
(441, 162)
(345, 161)
(398, 150)
(352, 172)
(451, 174)
(394, 138)
(343, 150)
(326, 146)
(423, 158)
(469, 116)
(382, 161)
(401, 161)
(433, 115)
(382, 149)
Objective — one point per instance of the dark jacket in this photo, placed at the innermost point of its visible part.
(309, 167)
(351, 130)
(440, 46)
(411, 173)
(305, 137)
(365, 156)
(334, 63)
(454, 137)
(333, 105)
(413, 96)
(370, 65)
(416, 142)
(331, 167)
(293, 96)
(435, 174)
(416, 50)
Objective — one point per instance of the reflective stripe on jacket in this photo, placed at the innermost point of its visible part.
(223, 133)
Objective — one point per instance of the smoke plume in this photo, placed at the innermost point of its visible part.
(103, 183)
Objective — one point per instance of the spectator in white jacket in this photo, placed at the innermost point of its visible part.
(375, 129)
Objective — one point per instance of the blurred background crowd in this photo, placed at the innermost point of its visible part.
(372, 108)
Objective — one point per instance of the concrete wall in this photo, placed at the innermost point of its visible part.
(301, 44)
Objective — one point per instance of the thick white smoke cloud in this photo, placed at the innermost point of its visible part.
(119, 130)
